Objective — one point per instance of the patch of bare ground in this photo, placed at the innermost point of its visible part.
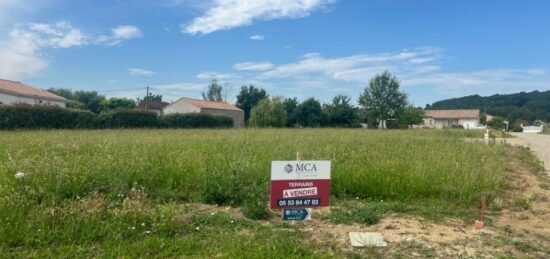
(517, 226)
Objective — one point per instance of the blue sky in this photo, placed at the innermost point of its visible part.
(297, 48)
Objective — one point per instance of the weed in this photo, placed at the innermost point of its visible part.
(521, 204)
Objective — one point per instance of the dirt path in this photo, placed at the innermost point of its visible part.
(538, 143)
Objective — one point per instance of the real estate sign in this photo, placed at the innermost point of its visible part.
(300, 184)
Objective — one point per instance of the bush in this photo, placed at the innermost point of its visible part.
(196, 120)
(517, 128)
(128, 118)
(24, 116)
(256, 209)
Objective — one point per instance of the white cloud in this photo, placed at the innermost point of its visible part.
(257, 37)
(173, 91)
(228, 14)
(359, 67)
(21, 53)
(120, 34)
(420, 70)
(140, 72)
(253, 66)
(215, 75)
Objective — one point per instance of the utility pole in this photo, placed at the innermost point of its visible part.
(147, 99)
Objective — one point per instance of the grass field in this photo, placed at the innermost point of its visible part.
(126, 192)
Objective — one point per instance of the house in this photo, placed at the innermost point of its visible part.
(439, 119)
(12, 92)
(154, 106)
(188, 105)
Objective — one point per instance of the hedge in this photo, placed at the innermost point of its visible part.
(44, 117)
(128, 118)
(197, 120)
(53, 117)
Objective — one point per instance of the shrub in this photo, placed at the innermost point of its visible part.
(196, 120)
(517, 128)
(23, 116)
(255, 209)
(128, 118)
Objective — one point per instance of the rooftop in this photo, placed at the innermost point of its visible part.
(18, 88)
(154, 105)
(209, 104)
(453, 114)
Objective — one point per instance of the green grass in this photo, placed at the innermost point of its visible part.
(86, 190)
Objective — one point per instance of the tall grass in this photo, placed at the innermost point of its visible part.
(81, 185)
(227, 166)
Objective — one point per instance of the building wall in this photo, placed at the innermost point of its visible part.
(237, 116)
(469, 123)
(181, 107)
(9, 99)
(184, 107)
(447, 123)
(429, 123)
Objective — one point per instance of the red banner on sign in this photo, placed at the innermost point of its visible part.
(287, 194)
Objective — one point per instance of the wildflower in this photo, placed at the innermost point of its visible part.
(197, 228)
(232, 221)
(147, 232)
(133, 228)
(357, 198)
(20, 175)
(143, 224)
(212, 214)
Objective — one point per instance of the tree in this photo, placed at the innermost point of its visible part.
(63, 92)
(341, 113)
(291, 106)
(309, 113)
(114, 103)
(153, 97)
(410, 116)
(382, 99)
(214, 92)
(76, 105)
(248, 98)
(497, 123)
(268, 113)
(91, 99)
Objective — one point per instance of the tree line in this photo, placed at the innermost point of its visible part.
(381, 104)
(518, 108)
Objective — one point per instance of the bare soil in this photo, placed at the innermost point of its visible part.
(518, 225)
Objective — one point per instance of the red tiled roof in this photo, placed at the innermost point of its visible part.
(452, 114)
(17, 88)
(209, 104)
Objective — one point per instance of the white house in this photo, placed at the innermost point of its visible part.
(12, 92)
(439, 119)
(188, 105)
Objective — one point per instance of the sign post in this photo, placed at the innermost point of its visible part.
(299, 185)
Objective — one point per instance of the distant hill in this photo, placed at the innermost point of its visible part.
(520, 106)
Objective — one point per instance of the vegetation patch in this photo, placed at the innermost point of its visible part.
(117, 193)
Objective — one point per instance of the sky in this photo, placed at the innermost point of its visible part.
(438, 49)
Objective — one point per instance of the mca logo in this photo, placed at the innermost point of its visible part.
(289, 168)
